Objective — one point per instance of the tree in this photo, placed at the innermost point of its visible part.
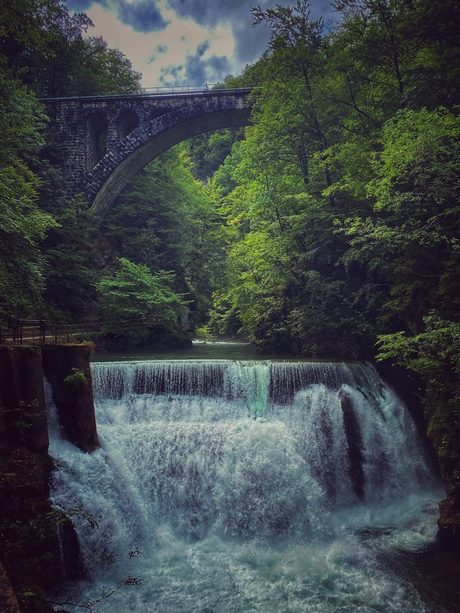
(293, 72)
(45, 47)
(95, 69)
(413, 234)
(208, 151)
(22, 223)
(132, 292)
(71, 263)
(167, 219)
(407, 51)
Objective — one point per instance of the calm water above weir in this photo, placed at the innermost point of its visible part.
(222, 350)
(248, 486)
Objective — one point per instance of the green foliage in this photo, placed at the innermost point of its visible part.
(167, 219)
(342, 202)
(77, 378)
(204, 334)
(46, 47)
(435, 354)
(208, 151)
(71, 262)
(43, 50)
(435, 349)
(95, 69)
(412, 237)
(22, 223)
(133, 292)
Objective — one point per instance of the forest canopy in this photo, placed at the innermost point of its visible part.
(330, 223)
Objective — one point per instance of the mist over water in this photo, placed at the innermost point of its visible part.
(247, 486)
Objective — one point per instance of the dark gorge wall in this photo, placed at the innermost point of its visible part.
(445, 459)
(22, 398)
(30, 558)
(29, 547)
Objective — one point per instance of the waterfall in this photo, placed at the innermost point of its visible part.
(247, 486)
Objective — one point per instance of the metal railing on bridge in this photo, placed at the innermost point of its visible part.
(38, 331)
(174, 90)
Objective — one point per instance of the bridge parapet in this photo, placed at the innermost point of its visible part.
(110, 138)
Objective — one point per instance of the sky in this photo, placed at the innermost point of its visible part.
(184, 42)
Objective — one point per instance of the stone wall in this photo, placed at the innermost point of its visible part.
(67, 368)
(410, 387)
(30, 553)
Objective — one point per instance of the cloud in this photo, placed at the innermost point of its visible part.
(212, 12)
(197, 69)
(81, 6)
(172, 41)
(158, 51)
(202, 48)
(203, 12)
(142, 16)
(235, 15)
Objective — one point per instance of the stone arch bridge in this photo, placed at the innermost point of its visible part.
(108, 139)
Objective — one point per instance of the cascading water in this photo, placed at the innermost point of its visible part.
(246, 486)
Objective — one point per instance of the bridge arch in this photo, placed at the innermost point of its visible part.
(109, 181)
(110, 138)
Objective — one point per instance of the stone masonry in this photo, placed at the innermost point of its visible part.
(109, 139)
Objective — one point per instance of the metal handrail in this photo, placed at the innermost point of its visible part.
(31, 332)
(153, 92)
